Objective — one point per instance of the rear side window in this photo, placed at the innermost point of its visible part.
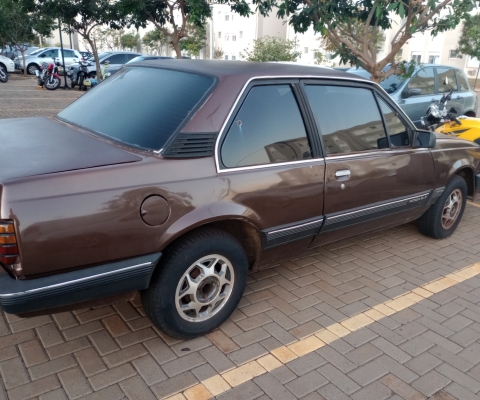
(69, 53)
(348, 118)
(446, 80)
(116, 59)
(462, 81)
(424, 79)
(139, 106)
(267, 129)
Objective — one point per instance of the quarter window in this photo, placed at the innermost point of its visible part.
(423, 80)
(267, 129)
(446, 80)
(348, 118)
(397, 131)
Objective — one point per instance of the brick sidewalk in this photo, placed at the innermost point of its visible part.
(389, 315)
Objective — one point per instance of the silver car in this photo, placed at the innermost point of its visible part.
(47, 54)
(116, 60)
(428, 84)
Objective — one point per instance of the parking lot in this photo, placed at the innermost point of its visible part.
(388, 315)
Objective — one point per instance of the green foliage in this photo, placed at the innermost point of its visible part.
(195, 41)
(129, 41)
(469, 43)
(218, 54)
(155, 40)
(272, 49)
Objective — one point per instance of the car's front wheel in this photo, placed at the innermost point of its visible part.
(32, 68)
(197, 284)
(442, 218)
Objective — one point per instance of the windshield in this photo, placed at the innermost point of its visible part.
(37, 51)
(141, 106)
(101, 55)
(392, 83)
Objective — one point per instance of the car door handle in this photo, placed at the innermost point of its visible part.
(342, 173)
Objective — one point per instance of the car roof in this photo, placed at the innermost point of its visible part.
(246, 69)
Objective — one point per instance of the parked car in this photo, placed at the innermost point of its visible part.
(116, 60)
(428, 83)
(36, 58)
(12, 51)
(189, 173)
(7, 64)
(147, 57)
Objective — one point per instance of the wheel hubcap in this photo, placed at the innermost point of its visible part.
(32, 69)
(452, 208)
(204, 288)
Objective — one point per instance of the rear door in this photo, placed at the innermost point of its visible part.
(465, 92)
(70, 57)
(271, 163)
(446, 81)
(416, 105)
(372, 179)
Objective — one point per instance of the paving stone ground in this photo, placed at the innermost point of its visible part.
(388, 315)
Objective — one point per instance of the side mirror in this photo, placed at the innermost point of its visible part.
(42, 56)
(413, 92)
(425, 139)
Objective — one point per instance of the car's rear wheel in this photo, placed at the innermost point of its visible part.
(197, 284)
(442, 218)
(32, 68)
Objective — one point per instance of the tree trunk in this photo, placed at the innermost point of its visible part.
(24, 62)
(95, 56)
(176, 47)
(376, 74)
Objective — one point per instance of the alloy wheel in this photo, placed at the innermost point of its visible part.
(451, 209)
(31, 69)
(204, 288)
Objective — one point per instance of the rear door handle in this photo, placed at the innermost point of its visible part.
(342, 173)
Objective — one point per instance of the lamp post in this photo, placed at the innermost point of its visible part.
(63, 58)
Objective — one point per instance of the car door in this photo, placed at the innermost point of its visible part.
(70, 57)
(419, 94)
(465, 92)
(372, 179)
(271, 164)
(446, 81)
(116, 62)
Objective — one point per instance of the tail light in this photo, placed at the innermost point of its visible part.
(9, 253)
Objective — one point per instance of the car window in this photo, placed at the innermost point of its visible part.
(397, 130)
(137, 59)
(446, 79)
(462, 81)
(50, 53)
(348, 118)
(69, 53)
(424, 79)
(163, 99)
(116, 59)
(128, 57)
(267, 129)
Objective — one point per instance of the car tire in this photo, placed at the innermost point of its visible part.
(197, 284)
(443, 217)
(31, 68)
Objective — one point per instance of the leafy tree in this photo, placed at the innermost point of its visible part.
(218, 54)
(84, 17)
(129, 41)
(272, 49)
(469, 43)
(155, 40)
(20, 24)
(172, 16)
(349, 25)
(195, 41)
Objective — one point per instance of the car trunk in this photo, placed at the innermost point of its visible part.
(38, 146)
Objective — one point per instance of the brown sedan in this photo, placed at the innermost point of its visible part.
(176, 177)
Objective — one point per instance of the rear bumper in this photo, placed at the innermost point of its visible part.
(22, 296)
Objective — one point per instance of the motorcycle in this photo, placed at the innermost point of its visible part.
(3, 75)
(441, 119)
(77, 76)
(48, 76)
